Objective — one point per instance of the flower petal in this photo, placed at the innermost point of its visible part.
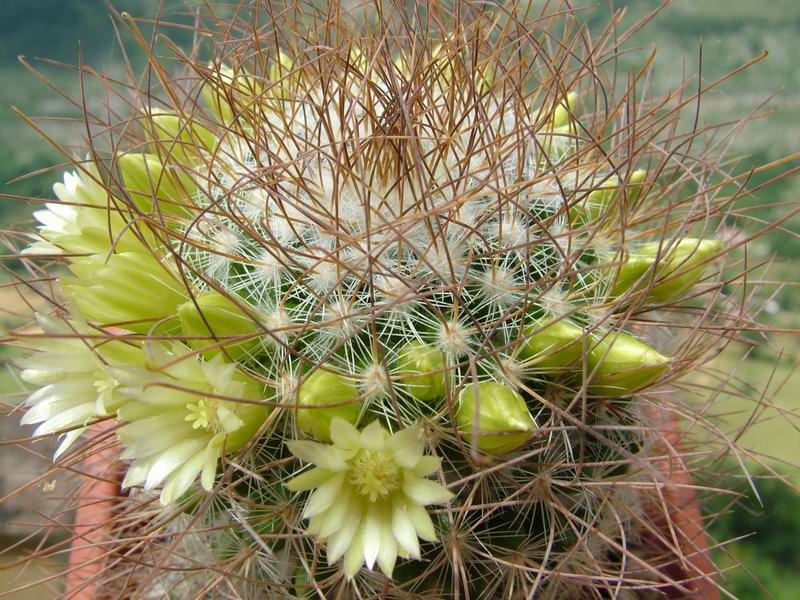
(343, 433)
(67, 441)
(182, 479)
(387, 555)
(324, 496)
(422, 522)
(340, 541)
(337, 515)
(407, 446)
(321, 455)
(372, 534)
(211, 458)
(404, 531)
(424, 491)
(309, 480)
(354, 557)
(427, 465)
(373, 436)
(170, 460)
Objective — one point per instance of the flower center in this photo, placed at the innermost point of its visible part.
(203, 415)
(374, 473)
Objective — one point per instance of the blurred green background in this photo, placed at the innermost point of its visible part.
(732, 33)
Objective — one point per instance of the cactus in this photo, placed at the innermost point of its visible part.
(403, 259)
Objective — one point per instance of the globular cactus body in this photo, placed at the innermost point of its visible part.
(406, 260)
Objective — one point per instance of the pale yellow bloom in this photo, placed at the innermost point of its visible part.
(183, 416)
(79, 379)
(370, 494)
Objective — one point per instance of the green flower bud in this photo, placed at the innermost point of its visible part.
(422, 369)
(129, 289)
(214, 315)
(620, 364)
(320, 389)
(631, 271)
(280, 72)
(597, 203)
(484, 78)
(241, 89)
(562, 113)
(504, 422)
(553, 345)
(145, 178)
(680, 267)
(179, 137)
(634, 181)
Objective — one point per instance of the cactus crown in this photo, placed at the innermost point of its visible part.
(428, 259)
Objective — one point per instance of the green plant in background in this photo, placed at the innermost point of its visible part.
(430, 262)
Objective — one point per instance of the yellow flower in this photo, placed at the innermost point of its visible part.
(183, 416)
(85, 220)
(79, 382)
(370, 494)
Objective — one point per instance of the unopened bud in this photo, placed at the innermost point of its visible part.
(229, 87)
(682, 267)
(179, 137)
(323, 388)
(619, 365)
(484, 78)
(504, 422)
(562, 115)
(635, 182)
(280, 73)
(422, 371)
(679, 268)
(128, 289)
(554, 345)
(597, 202)
(146, 179)
(217, 317)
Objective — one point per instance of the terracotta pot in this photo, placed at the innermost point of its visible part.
(96, 500)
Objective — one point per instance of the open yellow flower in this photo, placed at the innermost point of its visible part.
(370, 494)
(78, 379)
(183, 416)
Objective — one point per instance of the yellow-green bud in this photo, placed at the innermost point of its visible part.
(213, 315)
(179, 137)
(597, 202)
(680, 267)
(635, 182)
(242, 89)
(145, 178)
(322, 388)
(564, 110)
(280, 73)
(553, 345)
(504, 422)
(619, 365)
(484, 78)
(422, 370)
(130, 289)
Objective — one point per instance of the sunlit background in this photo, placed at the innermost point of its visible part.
(696, 40)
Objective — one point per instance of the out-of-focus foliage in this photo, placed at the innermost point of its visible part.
(771, 552)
